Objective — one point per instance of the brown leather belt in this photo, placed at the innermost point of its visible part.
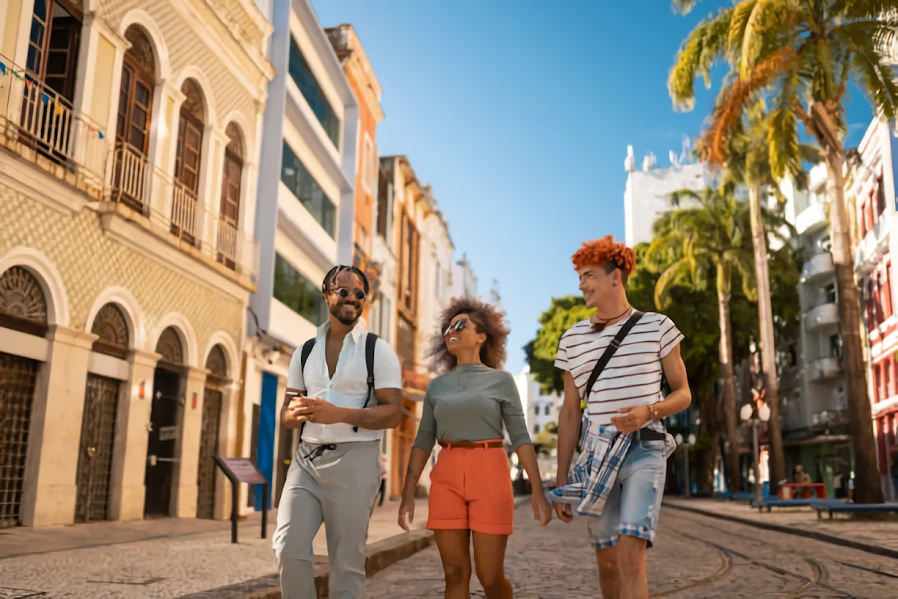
(472, 444)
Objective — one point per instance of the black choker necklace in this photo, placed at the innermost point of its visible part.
(601, 320)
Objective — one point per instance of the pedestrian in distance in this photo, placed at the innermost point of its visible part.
(471, 496)
(614, 362)
(343, 389)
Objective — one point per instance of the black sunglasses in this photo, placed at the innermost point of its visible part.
(459, 325)
(344, 293)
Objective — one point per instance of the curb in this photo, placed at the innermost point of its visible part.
(811, 534)
(381, 555)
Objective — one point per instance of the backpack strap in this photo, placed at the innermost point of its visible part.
(307, 348)
(370, 345)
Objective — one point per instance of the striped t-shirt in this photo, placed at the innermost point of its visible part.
(632, 376)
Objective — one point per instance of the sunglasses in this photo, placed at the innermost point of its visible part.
(459, 325)
(344, 293)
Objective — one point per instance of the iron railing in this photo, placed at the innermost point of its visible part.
(42, 126)
(170, 205)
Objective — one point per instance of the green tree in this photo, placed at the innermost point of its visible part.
(563, 313)
(802, 55)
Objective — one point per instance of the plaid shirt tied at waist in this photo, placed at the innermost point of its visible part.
(593, 475)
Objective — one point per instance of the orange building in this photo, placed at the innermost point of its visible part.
(367, 91)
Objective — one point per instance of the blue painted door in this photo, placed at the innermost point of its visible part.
(265, 437)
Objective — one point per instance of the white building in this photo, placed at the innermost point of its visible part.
(305, 217)
(434, 276)
(540, 409)
(464, 282)
(647, 194)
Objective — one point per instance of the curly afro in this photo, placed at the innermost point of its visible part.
(606, 252)
(486, 320)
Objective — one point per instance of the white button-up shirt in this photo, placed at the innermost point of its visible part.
(349, 387)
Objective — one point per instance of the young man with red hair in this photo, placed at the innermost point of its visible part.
(614, 362)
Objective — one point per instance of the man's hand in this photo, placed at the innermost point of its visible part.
(290, 417)
(318, 411)
(631, 419)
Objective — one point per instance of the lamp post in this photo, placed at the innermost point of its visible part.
(761, 414)
(688, 442)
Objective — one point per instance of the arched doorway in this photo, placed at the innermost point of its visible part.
(101, 397)
(23, 308)
(213, 395)
(165, 427)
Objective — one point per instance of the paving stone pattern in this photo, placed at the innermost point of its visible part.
(695, 556)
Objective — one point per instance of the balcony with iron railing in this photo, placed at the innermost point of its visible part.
(177, 213)
(817, 267)
(41, 126)
(873, 246)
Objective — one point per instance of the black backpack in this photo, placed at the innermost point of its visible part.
(370, 344)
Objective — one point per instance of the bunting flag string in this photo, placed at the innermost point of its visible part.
(2, 68)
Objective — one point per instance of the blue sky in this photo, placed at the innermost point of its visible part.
(519, 113)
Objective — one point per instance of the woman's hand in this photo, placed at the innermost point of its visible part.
(406, 509)
(542, 511)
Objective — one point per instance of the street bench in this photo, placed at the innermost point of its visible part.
(771, 502)
(844, 507)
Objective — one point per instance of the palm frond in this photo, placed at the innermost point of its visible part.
(675, 275)
(782, 130)
(757, 27)
(736, 97)
(705, 45)
(738, 24)
(683, 7)
(870, 64)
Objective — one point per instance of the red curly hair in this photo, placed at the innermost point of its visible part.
(605, 252)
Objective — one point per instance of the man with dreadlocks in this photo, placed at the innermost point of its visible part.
(614, 362)
(343, 389)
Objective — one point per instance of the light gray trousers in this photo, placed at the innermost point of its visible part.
(337, 488)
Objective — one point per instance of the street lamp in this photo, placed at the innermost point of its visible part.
(689, 441)
(762, 414)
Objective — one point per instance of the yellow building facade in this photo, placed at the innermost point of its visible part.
(129, 140)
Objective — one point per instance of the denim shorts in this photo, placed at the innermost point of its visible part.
(633, 505)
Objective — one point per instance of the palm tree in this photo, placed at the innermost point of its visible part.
(802, 55)
(748, 164)
(709, 238)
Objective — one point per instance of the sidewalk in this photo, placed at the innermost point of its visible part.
(874, 537)
(153, 558)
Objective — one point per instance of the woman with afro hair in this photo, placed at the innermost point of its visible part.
(464, 410)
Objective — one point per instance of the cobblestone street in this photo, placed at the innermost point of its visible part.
(695, 556)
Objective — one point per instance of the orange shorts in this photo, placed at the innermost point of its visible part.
(471, 490)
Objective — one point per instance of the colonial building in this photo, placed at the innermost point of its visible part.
(305, 221)
(366, 88)
(871, 194)
(812, 386)
(402, 210)
(130, 134)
